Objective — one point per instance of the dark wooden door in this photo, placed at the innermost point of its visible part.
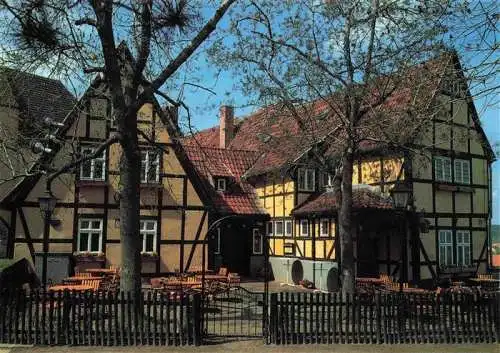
(367, 256)
(237, 249)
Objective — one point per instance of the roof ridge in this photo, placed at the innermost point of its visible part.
(21, 72)
(221, 149)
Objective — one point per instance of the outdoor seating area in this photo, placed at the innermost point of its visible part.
(92, 279)
(386, 284)
(180, 284)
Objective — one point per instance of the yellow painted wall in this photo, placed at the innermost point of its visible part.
(172, 189)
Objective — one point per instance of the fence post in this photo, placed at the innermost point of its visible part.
(273, 327)
(197, 339)
(496, 309)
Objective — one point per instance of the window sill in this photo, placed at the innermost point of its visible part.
(457, 269)
(149, 257)
(459, 188)
(152, 185)
(92, 183)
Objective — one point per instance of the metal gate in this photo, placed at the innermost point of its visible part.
(234, 314)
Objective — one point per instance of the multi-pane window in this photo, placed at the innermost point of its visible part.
(306, 179)
(270, 229)
(90, 235)
(217, 241)
(463, 248)
(288, 228)
(445, 247)
(323, 227)
(148, 235)
(257, 242)
(304, 227)
(278, 228)
(462, 171)
(150, 166)
(442, 168)
(92, 169)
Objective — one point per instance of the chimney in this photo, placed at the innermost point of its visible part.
(226, 126)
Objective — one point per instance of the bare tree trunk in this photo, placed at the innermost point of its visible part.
(345, 226)
(130, 163)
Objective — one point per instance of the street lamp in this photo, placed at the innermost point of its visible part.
(400, 194)
(47, 203)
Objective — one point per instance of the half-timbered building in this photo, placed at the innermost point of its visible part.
(251, 187)
(442, 234)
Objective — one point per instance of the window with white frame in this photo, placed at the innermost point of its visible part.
(217, 241)
(446, 248)
(442, 168)
(92, 169)
(90, 235)
(220, 184)
(306, 179)
(278, 228)
(148, 235)
(304, 227)
(270, 229)
(150, 166)
(257, 242)
(462, 171)
(324, 226)
(326, 179)
(288, 228)
(463, 248)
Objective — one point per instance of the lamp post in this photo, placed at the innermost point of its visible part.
(400, 194)
(47, 203)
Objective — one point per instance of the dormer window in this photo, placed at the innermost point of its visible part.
(220, 184)
(306, 179)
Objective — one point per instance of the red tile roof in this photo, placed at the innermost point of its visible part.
(325, 203)
(275, 132)
(240, 197)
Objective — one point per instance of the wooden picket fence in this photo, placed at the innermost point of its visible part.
(99, 319)
(299, 318)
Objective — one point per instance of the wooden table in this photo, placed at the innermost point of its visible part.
(104, 271)
(212, 277)
(82, 278)
(372, 280)
(75, 287)
(181, 284)
(414, 290)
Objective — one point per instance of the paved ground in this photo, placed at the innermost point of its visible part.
(257, 346)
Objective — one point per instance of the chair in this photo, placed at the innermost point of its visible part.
(94, 283)
(233, 279)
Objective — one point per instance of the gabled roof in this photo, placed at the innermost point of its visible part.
(210, 163)
(326, 204)
(35, 98)
(38, 97)
(275, 133)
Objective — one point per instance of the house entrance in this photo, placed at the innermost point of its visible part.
(237, 249)
(367, 253)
